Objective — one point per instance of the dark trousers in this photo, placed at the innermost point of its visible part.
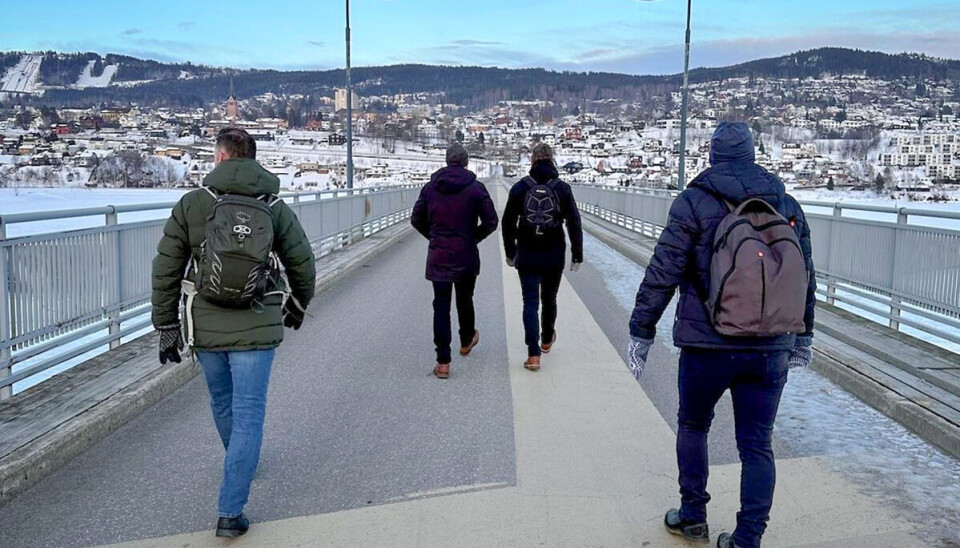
(539, 287)
(442, 295)
(756, 381)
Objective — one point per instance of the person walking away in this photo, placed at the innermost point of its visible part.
(534, 242)
(738, 247)
(455, 213)
(222, 248)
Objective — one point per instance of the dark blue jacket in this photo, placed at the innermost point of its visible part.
(455, 212)
(548, 251)
(683, 253)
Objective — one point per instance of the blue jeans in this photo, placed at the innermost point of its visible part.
(539, 287)
(756, 381)
(238, 397)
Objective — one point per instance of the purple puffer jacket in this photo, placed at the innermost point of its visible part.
(455, 213)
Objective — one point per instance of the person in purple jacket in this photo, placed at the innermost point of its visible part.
(455, 212)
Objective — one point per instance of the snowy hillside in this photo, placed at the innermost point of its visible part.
(87, 80)
(22, 77)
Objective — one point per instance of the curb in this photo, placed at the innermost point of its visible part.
(911, 416)
(27, 465)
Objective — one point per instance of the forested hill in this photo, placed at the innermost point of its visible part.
(838, 61)
(154, 83)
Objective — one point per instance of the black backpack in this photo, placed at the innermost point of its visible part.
(237, 261)
(541, 207)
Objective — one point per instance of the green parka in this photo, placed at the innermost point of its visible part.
(217, 328)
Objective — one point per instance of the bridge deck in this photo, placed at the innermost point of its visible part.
(364, 448)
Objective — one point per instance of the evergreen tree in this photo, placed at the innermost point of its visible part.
(879, 183)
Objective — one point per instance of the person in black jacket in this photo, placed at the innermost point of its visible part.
(540, 254)
(455, 212)
(753, 368)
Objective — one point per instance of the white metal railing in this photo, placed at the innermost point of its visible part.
(87, 288)
(905, 273)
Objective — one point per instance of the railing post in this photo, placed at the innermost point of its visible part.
(114, 316)
(5, 353)
(832, 284)
(895, 309)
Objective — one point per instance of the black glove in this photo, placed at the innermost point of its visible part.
(293, 314)
(171, 343)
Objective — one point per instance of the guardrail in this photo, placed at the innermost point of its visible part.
(906, 274)
(87, 288)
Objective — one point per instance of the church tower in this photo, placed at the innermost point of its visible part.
(232, 103)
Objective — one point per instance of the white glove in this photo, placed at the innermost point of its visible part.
(575, 267)
(802, 353)
(637, 351)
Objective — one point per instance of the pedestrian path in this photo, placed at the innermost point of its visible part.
(364, 448)
(594, 467)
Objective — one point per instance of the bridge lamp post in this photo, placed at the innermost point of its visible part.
(683, 103)
(349, 108)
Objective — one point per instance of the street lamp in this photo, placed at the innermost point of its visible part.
(349, 108)
(683, 104)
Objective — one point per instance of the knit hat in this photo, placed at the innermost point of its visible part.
(731, 142)
(457, 155)
(541, 152)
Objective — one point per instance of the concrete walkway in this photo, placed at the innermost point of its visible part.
(364, 448)
(595, 467)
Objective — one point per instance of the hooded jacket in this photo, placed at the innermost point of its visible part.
(455, 212)
(683, 253)
(548, 251)
(225, 329)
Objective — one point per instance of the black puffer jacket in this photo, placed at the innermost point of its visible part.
(682, 256)
(543, 252)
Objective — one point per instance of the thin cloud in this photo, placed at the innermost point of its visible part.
(185, 25)
(316, 43)
(475, 43)
(130, 32)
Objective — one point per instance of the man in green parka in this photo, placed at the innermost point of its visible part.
(235, 345)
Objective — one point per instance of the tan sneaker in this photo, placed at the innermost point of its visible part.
(442, 371)
(532, 363)
(545, 347)
(465, 350)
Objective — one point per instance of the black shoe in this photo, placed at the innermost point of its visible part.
(232, 527)
(725, 540)
(696, 532)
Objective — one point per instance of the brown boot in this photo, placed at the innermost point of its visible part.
(545, 347)
(442, 371)
(532, 363)
(465, 350)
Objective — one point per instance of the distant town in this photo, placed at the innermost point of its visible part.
(832, 132)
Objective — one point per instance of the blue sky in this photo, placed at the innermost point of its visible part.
(632, 36)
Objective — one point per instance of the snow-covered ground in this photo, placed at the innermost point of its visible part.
(27, 200)
(891, 200)
(86, 80)
(817, 417)
(22, 77)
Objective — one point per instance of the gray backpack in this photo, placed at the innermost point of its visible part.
(237, 262)
(758, 276)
